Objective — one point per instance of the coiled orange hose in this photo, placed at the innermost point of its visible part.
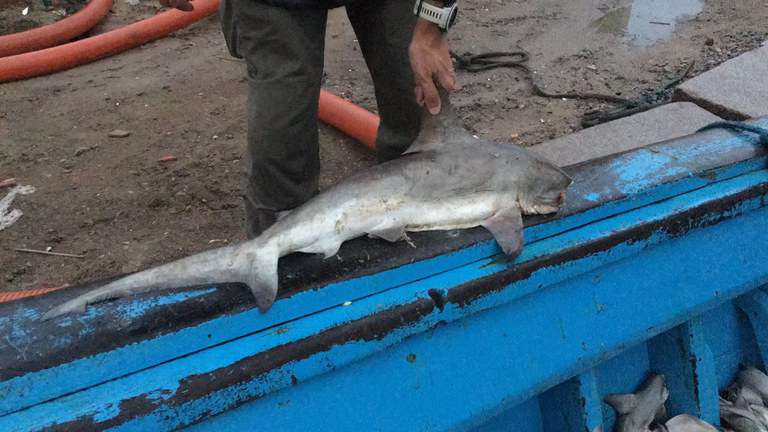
(57, 33)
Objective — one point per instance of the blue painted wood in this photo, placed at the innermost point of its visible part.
(573, 406)
(730, 338)
(704, 386)
(590, 394)
(637, 179)
(546, 321)
(564, 405)
(32, 388)
(683, 356)
(499, 359)
(755, 305)
(526, 417)
(434, 389)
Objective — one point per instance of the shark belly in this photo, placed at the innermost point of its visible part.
(448, 213)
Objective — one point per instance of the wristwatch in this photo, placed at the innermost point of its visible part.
(444, 16)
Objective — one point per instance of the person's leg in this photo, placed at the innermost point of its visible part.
(283, 49)
(384, 29)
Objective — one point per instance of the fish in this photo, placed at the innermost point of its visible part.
(740, 416)
(637, 411)
(742, 395)
(446, 180)
(686, 423)
(761, 414)
(743, 406)
(755, 380)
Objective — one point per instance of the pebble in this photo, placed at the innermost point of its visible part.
(81, 150)
(119, 133)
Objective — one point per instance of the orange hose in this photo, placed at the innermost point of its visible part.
(353, 120)
(72, 54)
(56, 33)
(16, 295)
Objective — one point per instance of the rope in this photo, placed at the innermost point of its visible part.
(761, 132)
(474, 63)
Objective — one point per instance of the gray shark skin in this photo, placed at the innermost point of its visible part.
(753, 379)
(636, 411)
(761, 414)
(742, 395)
(740, 418)
(743, 407)
(446, 180)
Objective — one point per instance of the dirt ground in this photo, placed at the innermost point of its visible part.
(111, 200)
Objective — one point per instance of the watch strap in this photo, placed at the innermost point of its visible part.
(442, 16)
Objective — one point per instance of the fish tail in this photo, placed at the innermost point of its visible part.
(253, 263)
(74, 305)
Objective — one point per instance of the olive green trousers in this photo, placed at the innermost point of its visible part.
(284, 49)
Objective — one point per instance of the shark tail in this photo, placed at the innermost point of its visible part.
(253, 263)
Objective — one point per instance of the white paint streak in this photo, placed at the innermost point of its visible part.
(9, 217)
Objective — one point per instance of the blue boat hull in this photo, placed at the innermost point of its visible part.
(656, 265)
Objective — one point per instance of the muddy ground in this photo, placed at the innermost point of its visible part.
(111, 200)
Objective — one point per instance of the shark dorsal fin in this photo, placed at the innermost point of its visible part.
(439, 131)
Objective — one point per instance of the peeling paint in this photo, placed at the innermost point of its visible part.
(230, 356)
(136, 309)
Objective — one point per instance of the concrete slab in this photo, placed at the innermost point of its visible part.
(659, 124)
(735, 90)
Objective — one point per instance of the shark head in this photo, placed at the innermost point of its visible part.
(544, 187)
(636, 411)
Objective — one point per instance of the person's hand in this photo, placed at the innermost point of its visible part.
(182, 5)
(431, 64)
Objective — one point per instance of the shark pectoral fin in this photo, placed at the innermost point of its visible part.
(261, 277)
(622, 403)
(390, 234)
(507, 228)
(331, 250)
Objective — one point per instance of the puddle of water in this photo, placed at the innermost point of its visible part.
(646, 22)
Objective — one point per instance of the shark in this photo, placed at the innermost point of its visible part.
(448, 179)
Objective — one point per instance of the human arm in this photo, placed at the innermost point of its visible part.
(431, 63)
